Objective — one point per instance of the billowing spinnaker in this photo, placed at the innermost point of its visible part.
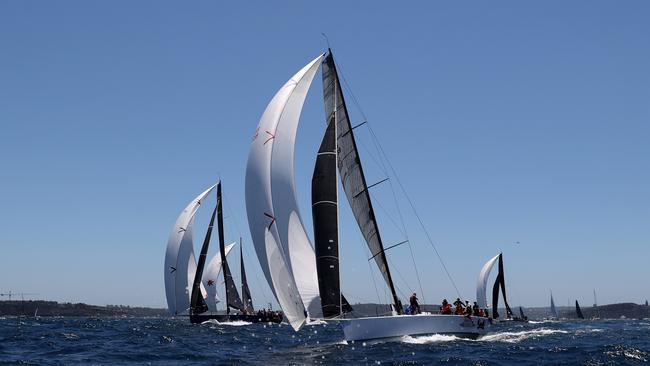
(210, 279)
(481, 295)
(275, 226)
(179, 257)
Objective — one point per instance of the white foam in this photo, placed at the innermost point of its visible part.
(433, 338)
(316, 322)
(516, 337)
(236, 323)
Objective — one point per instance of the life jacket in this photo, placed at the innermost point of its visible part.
(446, 309)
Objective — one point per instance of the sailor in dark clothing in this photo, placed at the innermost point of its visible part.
(415, 306)
(459, 307)
(476, 309)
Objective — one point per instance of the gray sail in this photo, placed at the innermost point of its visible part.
(245, 291)
(352, 175)
(553, 310)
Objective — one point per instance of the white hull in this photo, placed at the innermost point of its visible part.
(401, 325)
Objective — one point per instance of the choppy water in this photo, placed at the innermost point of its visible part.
(126, 341)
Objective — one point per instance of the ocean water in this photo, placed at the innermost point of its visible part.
(161, 341)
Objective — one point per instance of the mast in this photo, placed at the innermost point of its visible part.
(232, 297)
(351, 172)
(324, 198)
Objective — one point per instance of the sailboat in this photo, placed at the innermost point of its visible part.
(596, 315)
(553, 310)
(499, 283)
(199, 309)
(579, 311)
(522, 316)
(306, 280)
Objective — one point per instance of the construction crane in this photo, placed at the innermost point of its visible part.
(21, 294)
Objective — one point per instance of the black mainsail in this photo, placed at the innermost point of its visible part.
(352, 178)
(232, 296)
(245, 291)
(197, 303)
(500, 282)
(578, 311)
(324, 208)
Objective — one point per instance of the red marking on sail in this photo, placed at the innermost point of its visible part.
(270, 138)
(257, 133)
(272, 219)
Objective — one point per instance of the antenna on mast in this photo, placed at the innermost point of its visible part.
(327, 40)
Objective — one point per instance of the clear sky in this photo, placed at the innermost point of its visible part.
(506, 121)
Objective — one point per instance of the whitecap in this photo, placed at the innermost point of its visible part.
(316, 322)
(516, 337)
(433, 338)
(236, 323)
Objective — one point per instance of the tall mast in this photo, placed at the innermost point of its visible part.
(354, 180)
(222, 246)
(232, 296)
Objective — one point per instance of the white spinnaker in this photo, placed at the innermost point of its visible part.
(210, 279)
(179, 256)
(272, 253)
(481, 296)
(293, 236)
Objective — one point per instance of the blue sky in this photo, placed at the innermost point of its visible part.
(506, 121)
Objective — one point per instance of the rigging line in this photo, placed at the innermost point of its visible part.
(372, 275)
(385, 169)
(381, 150)
(358, 106)
(408, 199)
(385, 211)
(406, 282)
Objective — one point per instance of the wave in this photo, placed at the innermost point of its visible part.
(236, 323)
(516, 337)
(543, 321)
(433, 338)
(316, 322)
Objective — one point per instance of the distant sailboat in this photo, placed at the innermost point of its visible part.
(553, 310)
(579, 311)
(198, 306)
(306, 281)
(596, 316)
(499, 283)
(522, 315)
